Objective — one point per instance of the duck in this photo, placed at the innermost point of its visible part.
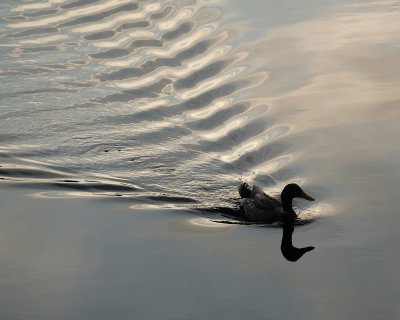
(290, 252)
(262, 208)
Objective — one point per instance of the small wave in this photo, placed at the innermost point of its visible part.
(79, 3)
(40, 13)
(163, 102)
(15, 172)
(32, 32)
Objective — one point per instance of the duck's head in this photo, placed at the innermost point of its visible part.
(292, 190)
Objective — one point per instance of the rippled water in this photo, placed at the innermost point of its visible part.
(143, 99)
(171, 104)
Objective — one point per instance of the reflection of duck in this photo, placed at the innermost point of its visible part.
(259, 207)
(289, 252)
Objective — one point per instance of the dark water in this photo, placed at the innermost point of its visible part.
(158, 108)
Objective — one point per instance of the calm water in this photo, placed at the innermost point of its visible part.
(124, 122)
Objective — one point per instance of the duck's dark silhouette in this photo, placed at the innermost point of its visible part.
(260, 207)
(288, 251)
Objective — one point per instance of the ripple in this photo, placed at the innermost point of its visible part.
(118, 18)
(209, 71)
(40, 13)
(44, 40)
(152, 65)
(78, 3)
(191, 104)
(161, 118)
(110, 54)
(91, 12)
(42, 49)
(16, 172)
(215, 114)
(259, 156)
(30, 92)
(150, 91)
(99, 16)
(162, 14)
(207, 223)
(68, 184)
(171, 199)
(32, 32)
(181, 30)
(106, 34)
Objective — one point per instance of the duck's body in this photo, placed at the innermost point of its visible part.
(260, 207)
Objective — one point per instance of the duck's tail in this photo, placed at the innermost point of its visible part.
(244, 190)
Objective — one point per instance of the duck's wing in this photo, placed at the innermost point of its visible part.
(260, 199)
(256, 191)
(264, 201)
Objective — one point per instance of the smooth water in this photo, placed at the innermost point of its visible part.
(125, 125)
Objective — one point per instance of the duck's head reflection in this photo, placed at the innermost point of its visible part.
(288, 251)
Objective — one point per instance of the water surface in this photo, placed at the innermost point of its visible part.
(119, 118)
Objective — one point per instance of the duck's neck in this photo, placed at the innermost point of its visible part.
(287, 203)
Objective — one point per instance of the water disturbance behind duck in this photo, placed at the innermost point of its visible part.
(144, 100)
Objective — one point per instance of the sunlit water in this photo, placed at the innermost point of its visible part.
(158, 108)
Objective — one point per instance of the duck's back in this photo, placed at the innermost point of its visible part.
(258, 206)
(264, 201)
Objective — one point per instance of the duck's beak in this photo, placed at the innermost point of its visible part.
(306, 196)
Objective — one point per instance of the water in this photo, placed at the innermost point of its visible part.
(125, 124)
